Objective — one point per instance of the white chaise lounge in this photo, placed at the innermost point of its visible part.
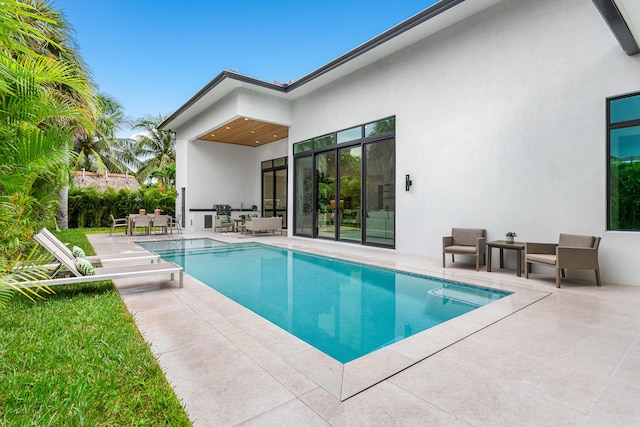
(47, 239)
(102, 273)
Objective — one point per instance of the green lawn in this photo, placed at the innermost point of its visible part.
(77, 359)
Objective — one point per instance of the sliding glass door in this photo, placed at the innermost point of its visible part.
(345, 185)
(380, 173)
(303, 189)
(326, 205)
(274, 189)
(350, 209)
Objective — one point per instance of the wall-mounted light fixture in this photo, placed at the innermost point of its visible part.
(407, 183)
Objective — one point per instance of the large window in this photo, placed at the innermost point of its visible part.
(274, 189)
(345, 185)
(623, 141)
(326, 207)
(380, 195)
(303, 189)
(350, 193)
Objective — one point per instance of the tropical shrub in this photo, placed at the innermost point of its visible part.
(45, 94)
(625, 195)
(89, 208)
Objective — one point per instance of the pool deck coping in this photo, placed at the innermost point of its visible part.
(294, 364)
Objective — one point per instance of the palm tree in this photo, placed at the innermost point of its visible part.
(98, 149)
(165, 177)
(39, 92)
(153, 148)
(57, 43)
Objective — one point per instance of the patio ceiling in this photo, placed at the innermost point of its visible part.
(244, 131)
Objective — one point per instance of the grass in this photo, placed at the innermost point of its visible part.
(77, 359)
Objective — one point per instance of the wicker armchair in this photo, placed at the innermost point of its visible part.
(223, 222)
(572, 251)
(465, 241)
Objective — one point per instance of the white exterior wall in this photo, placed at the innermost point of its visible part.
(500, 121)
(501, 124)
(218, 173)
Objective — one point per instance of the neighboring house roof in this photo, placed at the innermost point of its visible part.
(622, 16)
(100, 182)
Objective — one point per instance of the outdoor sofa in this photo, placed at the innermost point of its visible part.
(272, 224)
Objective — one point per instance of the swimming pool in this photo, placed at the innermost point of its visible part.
(344, 309)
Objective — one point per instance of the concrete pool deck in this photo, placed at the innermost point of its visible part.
(544, 356)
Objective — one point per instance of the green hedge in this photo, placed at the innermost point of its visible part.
(624, 195)
(89, 208)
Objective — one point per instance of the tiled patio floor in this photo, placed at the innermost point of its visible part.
(547, 357)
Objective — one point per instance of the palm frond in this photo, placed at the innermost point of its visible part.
(23, 276)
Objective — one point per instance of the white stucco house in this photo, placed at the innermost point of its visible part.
(508, 115)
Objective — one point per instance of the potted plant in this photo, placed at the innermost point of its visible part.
(510, 236)
(254, 208)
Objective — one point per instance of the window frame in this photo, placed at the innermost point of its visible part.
(313, 151)
(609, 128)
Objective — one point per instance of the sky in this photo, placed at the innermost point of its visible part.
(152, 56)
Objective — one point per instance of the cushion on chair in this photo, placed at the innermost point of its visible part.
(542, 258)
(224, 219)
(576, 241)
(78, 252)
(466, 236)
(461, 249)
(84, 267)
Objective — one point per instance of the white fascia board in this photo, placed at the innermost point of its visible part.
(630, 11)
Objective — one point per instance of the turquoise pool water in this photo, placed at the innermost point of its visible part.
(343, 309)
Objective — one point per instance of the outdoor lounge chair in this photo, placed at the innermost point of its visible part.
(118, 222)
(49, 241)
(572, 251)
(465, 241)
(103, 273)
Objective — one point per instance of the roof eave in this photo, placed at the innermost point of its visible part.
(609, 11)
(225, 74)
(419, 18)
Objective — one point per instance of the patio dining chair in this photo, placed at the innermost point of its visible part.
(175, 224)
(141, 221)
(161, 222)
(118, 222)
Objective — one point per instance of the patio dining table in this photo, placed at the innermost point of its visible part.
(131, 223)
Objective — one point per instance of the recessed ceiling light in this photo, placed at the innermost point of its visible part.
(275, 136)
(213, 134)
(228, 127)
(257, 142)
(246, 118)
(253, 131)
